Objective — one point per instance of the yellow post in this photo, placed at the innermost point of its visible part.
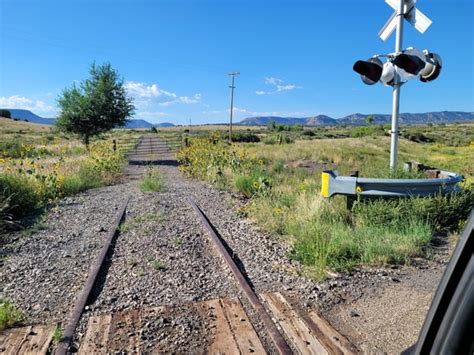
(325, 184)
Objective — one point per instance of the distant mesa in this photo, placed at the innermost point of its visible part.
(26, 115)
(139, 123)
(359, 119)
(356, 119)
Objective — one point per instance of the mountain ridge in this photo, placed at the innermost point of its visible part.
(27, 115)
(355, 119)
(359, 119)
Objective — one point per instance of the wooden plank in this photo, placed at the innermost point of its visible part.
(38, 340)
(97, 334)
(296, 330)
(27, 340)
(124, 333)
(223, 342)
(14, 337)
(334, 342)
(341, 342)
(246, 338)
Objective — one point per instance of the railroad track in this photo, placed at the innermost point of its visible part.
(153, 150)
(291, 329)
(276, 323)
(150, 150)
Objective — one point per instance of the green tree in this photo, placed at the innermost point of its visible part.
(96, 105)
(369, 119)
(5, 113)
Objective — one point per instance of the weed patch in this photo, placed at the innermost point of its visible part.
(153, 182)
(57, 335)
(9, 314)
(157, 265)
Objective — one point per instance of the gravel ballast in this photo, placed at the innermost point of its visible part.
(44, 271)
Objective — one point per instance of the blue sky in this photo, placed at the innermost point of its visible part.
(295, 57)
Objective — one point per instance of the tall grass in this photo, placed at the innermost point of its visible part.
(324, 234)
(86, 178)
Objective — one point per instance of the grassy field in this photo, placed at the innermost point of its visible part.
(277, 168)
(282, 183)
(38, 164)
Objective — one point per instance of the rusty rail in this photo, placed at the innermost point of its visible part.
(81, 300)
(280, 343)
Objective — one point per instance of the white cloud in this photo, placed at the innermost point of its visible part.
(21, 102)
(273, 81)
(245, 112)
(196, 98)
(145, 95)
(278, 86)
(286, 87)
(211, 112)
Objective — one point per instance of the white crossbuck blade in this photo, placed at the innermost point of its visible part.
(411, 14)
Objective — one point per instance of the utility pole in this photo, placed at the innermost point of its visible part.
(396, 90)
(232, 87)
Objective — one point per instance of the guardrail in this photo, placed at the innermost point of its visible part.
(333, 184)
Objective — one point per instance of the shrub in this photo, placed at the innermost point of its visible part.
(367, 131)
(208, 157)
(6, 218)
(5, 113)
(278, 139)
(308, 133)
(245, 137)
(21, 192)
(417, 137)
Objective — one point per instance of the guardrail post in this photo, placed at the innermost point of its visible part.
(350, 200)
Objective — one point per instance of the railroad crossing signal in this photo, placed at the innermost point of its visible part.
(402, 65)
(419, 20)
(408, 64)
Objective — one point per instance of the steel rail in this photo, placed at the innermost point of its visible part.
(280, 343)
(65, 342)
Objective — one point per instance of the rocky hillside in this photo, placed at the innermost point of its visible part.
(360, 119)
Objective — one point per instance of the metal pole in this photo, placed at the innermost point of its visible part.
(232, 87)
(396, 90)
